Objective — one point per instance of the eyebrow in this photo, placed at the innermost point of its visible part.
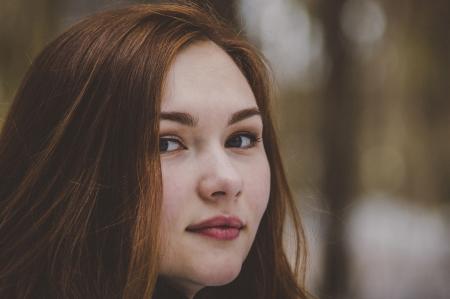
(190, 121)
(179, 117)
(243, 114)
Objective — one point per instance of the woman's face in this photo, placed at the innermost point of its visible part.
(216, 177)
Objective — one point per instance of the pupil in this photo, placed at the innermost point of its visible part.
(163, 145)
(236, 141)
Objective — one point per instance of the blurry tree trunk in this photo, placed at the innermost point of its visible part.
(434, 92)
(26, 27)
(339, 117)
(426, 44)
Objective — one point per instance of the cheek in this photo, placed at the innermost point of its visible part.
(259, 188)
(174, 184)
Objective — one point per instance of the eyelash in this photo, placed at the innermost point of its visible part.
(253, 140)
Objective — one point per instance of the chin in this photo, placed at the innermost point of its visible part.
(218, 275)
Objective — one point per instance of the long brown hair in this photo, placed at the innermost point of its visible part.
(80, 190)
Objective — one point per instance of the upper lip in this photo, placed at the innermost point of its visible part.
(217, 221)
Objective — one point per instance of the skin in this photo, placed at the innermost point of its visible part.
(209, 168)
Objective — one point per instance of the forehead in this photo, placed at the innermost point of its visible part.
(204, 76)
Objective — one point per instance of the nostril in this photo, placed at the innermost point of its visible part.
(218, 193)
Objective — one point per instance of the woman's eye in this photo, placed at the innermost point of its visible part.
(242, 140)
(169, 145)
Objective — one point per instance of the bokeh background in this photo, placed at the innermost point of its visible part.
(363, 112)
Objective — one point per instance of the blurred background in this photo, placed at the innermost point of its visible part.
(363, 112)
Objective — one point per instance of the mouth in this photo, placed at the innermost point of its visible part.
(219, 227)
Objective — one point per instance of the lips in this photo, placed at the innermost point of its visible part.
(220, 227)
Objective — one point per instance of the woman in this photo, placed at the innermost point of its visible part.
(93, 206)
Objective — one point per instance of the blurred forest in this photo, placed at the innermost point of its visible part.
(363, 111)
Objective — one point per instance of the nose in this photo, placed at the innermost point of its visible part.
(219, 178)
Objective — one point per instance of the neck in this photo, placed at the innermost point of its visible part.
(165, 290)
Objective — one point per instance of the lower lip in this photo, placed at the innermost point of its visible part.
(218, 233)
